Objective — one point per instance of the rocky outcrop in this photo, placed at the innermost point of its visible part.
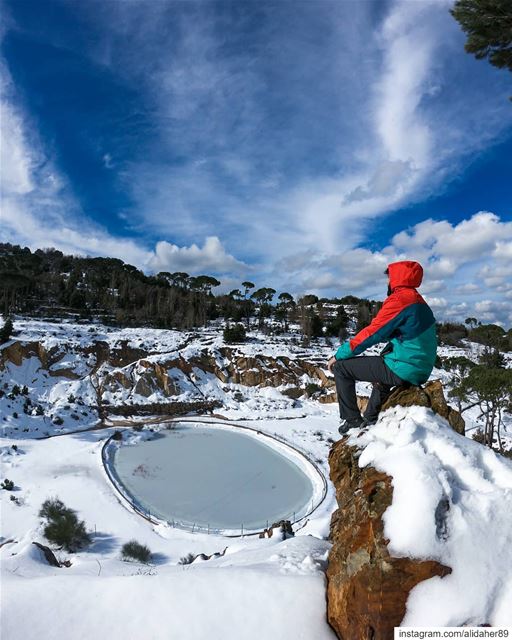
(48, 554)
(367, 588)
(135, 372)
(19, 351)
(285, 530)
(431, 396)
(146, 376)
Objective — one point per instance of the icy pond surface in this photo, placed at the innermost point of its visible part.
(213, 477)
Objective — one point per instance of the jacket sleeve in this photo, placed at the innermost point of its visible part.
(380, 329)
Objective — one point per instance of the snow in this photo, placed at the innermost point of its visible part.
(253, 587)
(452, 502)
(259, 586)
(229, 603)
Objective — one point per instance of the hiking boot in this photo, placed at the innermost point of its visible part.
(368, 422)
(346, 425)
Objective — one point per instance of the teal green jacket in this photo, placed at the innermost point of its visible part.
(406, 322)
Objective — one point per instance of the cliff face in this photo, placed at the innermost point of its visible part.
(121, 373)
(367, 587)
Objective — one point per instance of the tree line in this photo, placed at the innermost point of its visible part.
(48, 283)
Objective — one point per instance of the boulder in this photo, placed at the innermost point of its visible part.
(328, 398)
(293, 392)
(285, 530)
(367, 588)
(48, 554)
(431, 396)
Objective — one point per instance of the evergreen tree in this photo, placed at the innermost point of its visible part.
(488, 25)
(286, 302)
(6, 331)
(491, 390)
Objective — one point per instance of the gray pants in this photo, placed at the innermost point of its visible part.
(366, 369)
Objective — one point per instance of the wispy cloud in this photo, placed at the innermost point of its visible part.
(277, 136)
(282, 139)
(38, 208)
(464, 264)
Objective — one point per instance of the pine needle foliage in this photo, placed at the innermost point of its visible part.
(488, 25)
(133, 550)
(63, 528)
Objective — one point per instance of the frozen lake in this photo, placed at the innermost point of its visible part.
(213, 477)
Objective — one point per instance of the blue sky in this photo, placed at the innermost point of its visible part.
(302, 145)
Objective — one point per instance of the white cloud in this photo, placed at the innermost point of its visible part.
(37, 208)
(210, 258)
(108, 161)
(462, 262)
(503, 251)
(16, 159)
(290, 142)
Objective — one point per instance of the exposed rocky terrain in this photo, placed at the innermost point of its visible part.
(368, 587)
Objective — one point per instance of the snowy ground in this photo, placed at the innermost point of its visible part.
(259, 587)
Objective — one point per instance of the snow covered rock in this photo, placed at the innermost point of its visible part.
(432, 396)
(367, 587)
(48, 554)
(422, 535)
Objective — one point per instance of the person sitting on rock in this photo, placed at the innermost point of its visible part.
(407, 323)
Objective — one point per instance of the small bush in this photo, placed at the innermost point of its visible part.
(8, 485)
(490, 335)
(58, 420)
(133, 550)
(312, 389)
(117, 435)
(235, 333)
(63, 527)
(188, 559)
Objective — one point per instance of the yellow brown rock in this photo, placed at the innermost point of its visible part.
(431, 396)
(367, 588)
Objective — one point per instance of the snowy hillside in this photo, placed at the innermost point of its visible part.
(65, 388)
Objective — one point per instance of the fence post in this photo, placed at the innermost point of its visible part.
(242, 530)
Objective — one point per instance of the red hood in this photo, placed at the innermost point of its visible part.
(405, 274)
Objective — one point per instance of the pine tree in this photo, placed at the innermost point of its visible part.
(6, 331)
(488, 25)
